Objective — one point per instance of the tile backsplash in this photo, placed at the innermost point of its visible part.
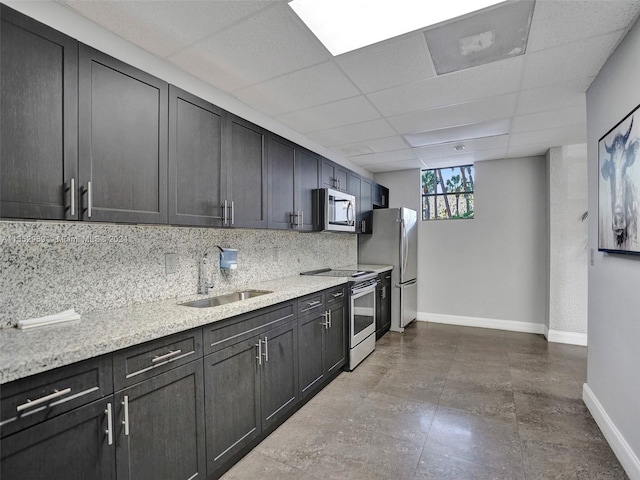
(47, 267)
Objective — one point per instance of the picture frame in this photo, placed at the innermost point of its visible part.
(619, 186)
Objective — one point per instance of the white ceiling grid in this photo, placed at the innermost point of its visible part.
(361, 103)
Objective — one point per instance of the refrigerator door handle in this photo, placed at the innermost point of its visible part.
(405, 249)
(406, 284)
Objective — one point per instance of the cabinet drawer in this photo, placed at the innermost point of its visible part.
(231, 332)
(336, 295)
(310, 302)
(141, 362)
(31, 400)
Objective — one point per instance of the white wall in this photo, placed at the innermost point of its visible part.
(567, 184)
(612, 391)
(490, 271)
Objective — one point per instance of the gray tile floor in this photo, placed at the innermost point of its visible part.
(445, 402)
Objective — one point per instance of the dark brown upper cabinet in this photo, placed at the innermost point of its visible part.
(293, 175)
(38, 132)
(197, 172)
(122, 141)
(334, 176)
(380, 196)
(246, 197)
(362, 189)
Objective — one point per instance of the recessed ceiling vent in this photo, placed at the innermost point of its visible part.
(491, 35)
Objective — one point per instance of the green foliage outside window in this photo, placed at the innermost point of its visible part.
(447, 193)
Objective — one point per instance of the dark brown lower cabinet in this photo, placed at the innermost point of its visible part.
(336, 338)
(383, 305)
(72, 446)
(249, 387)
(232, 391)
(311, 350)
(160, 427)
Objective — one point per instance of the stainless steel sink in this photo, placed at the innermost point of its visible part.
(225, 299)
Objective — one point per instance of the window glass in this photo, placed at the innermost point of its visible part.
(447, 193)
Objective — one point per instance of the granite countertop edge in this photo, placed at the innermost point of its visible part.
(28, 352)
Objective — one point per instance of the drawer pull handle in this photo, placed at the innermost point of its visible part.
(109, 430)
(41, 400)
(313, 304)
(338, 295)
(125, 422)
(160, 358)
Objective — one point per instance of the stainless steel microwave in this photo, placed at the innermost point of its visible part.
(335, 210)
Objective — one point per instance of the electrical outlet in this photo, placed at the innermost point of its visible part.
(170, 263)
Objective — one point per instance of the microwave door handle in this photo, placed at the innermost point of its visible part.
(350, 207)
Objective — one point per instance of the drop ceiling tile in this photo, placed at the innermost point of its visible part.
(490, 108)
(267, 45)
(557, 23)
(395, 166)
(552, 137)
(343, 112)
(567, 94)
(498, 78)
(390, 63)
(384, 157)
(551, 119)
(159, 27)
(304, 88)
(528, 150)
(569, 62)
(446, 149)
(357, 132)
(386, 144)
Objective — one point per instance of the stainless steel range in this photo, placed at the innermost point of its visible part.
(362, 311)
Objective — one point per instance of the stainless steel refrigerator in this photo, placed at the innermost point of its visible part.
(394, 241)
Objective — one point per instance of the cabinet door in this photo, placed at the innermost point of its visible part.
(282, 208)
(196, 169)
(232, 393)
(38, 151)
(279, 375)
(380, 196)
(247, 174)
(165, 421)
(334, 176)
(123, 141)
(385, 305)
(311, 351)
(355, 187)
(336, 338)
(73, 446)
(366, 205)
(306, 170)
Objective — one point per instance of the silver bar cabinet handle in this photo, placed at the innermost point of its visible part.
(233, 213)
(125, 422)
(159, 358)
(224, 214)
(301, 219)
(259, 357)
(72, 187)
(89, 199)
(41, 400)
(330, 319)
(313, 304)
(325, 324)
(338, 294)
(266, 350)
(109, 430)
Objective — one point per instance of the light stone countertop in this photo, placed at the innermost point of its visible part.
(375, 268)
(27, 352)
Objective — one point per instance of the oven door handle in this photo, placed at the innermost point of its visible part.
(365, 291)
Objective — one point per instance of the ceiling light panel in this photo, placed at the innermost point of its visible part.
(482, 38)
(491, 128)
(346, 25)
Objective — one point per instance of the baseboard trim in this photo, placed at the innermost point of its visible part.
(570, 338)
(628, 459)
(510, 325)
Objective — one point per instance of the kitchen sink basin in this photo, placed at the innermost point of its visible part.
(225, 299)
